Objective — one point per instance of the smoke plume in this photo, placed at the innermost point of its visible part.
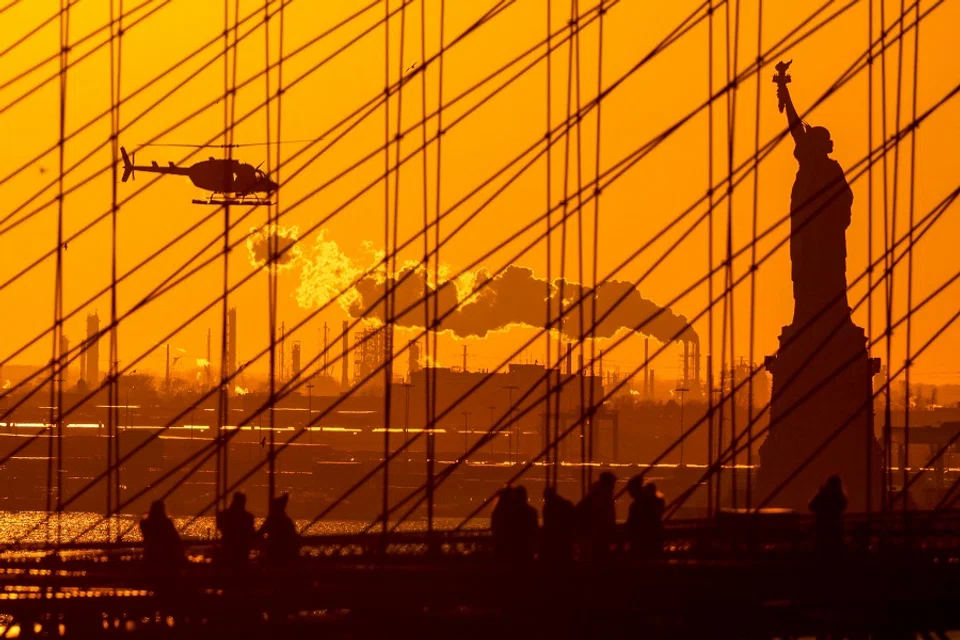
(517, 297)
(258, 246)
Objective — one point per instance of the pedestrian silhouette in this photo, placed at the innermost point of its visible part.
(236, 532)
(559, 527)
(820, 206)
(645, 519)
(828, 507)
(281, 542)
(162, 548)
(515, 524)
(597, 517)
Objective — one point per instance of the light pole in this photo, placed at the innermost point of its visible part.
(310, 409)
(681, 390)
(511, 388)
(406, 409)
(466, 432)
(493, 439)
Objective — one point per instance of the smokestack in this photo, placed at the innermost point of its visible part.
(414, 353)
(166, 375)
(569, 359)
(325, 330)
(209, 355)
(686, 362)
(580, 364)
(92, 361)
(646, 368)
(601, 366)
(231, 365)
(652, 382)
(345, 348)
(464, 358)
(64, 350)
(710, 378)
(696, 361)
(295, 357)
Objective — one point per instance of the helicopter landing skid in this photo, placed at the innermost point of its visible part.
(221, 199)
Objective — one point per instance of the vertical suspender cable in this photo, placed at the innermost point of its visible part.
(584, 480)
(893, 221)
(753, 259)
(431, 446)
(549, 236)
(113, 395)
(580, 280)
(56, 383)
(428, 370)
(274, 249)
(391, 265)
(868, 383)
(887, 454)
(274, 236)
(713, 430)
(728, 299)
(596, 216)
(912, 204)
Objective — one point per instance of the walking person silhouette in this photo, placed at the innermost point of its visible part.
(237, 532)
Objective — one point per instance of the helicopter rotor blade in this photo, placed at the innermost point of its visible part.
(224, 146)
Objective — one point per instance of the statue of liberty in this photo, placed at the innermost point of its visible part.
(820, 205)
(821, 409)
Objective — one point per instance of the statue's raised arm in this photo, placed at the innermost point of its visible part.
(782, 79)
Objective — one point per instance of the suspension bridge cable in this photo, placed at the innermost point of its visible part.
(748, 497)
(250, 275)
(871, 427)
(596, 231)
(621, 384)
(935, 214)
(689, 289)
(825, 96)
(76, 43)
(728, 301)
(682, 294)
(893, 231)
(930, 219)
(113, 394)
(191, 154)
(173, 127)
(76, 61)
(430, 449)
(869, 402)
(35, 30)
(888, 289)
(426, 237)
(912, 205)
(170, 69)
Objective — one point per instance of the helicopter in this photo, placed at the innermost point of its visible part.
(230, 181)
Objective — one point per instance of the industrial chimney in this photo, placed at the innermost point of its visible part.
(345, 348)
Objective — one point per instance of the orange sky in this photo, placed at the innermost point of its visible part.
(632, 210)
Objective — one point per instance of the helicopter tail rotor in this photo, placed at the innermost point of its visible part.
(127, 166)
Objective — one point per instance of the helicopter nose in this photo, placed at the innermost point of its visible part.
(272, 186)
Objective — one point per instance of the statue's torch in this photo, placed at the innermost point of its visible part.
(782, 78)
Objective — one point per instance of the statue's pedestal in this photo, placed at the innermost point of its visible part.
(822, 389)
